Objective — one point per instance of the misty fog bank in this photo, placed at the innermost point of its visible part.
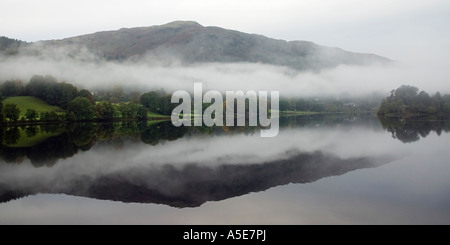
(86, 70)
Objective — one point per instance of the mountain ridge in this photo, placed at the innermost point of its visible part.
(190, 42)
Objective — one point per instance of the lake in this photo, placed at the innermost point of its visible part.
(320, 169)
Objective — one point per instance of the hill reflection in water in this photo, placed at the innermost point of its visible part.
(183, 167)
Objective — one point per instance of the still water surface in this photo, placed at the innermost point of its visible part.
(323, 169)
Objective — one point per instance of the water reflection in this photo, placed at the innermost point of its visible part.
(193, 185)
(409, 130)
(45, 144)
(188, 166)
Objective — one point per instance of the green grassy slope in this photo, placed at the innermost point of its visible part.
(30, 102)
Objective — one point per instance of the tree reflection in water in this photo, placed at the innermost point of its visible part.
(58, 141)
(409, 130)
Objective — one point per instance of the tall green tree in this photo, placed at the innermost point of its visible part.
(51, 91)
(31, 115)
(406, 101)
(12, 88)
(82, 108)
(152, 101)
(104, 111)
(437, 101)
(49, 116)
(88, 95)
(157, 101)
(406, 93)
(11, 112)
(69, 92)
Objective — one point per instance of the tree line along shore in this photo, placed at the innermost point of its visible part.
(407, 101)
(43, 99)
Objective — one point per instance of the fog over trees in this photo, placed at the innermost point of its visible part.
(406, 100)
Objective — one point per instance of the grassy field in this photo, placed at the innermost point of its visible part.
(30, 102)
(156, 115)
